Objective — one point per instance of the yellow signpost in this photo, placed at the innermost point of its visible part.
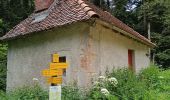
(55, 80)
(55, 58)
(57, 72)
(54, 74)
(58, 65)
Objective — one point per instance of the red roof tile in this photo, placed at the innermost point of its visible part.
(66, 12)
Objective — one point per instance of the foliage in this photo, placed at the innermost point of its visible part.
(100, 89)
(121, 84)
(11, 13)
(129, 86)
(104, 4)
(150, 83)
(150, 77)
(138, 14)
(72, 93)
(27, 93)
(2, 76)
(3, 59)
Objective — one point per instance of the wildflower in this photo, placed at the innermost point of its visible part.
(102, 78)
(113, 81)
(105, 91)
(35, 79)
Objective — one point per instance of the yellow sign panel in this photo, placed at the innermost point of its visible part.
(58, 72)
(58, 65)
(55, 80)
(55, 58)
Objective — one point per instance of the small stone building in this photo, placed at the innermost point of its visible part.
(91, 41)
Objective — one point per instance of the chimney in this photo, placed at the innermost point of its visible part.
(41, 5)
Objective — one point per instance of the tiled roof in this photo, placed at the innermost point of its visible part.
(66, 12)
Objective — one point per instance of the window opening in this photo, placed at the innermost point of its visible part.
(63, 60)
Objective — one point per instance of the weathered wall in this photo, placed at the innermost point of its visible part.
(110, 50)
(89, 51)
(27, 57)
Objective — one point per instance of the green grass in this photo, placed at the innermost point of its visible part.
(150, 84)
(25, 93)
(165, 74)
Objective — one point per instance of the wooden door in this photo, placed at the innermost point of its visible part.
(130, 59)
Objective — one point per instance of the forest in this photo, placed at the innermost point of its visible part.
(141, 15)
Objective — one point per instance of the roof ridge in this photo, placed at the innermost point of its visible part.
(90, 12)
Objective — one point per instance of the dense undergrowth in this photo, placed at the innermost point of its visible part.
(122, 84)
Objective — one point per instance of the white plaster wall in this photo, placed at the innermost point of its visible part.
(89, 52)
(112, 50)
(27, 57)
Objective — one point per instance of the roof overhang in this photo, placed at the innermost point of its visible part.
(106, 24)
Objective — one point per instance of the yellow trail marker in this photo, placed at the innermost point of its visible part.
(58, 65)
(54, 74)
(58, 72)
(55, 80)
(55, 58)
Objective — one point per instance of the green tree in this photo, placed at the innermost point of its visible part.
(11, 13)
(138, 14)
(3, 57)
(104, 4)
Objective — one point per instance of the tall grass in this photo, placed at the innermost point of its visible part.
(122, 84)
(25, 93)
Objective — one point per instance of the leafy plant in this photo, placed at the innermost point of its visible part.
(150, 76)
(28, 93)
(72, 93)
(121, 84)
(129, 86)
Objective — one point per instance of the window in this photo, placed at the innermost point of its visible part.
(63, 60)
(131, 60)
(40, 17)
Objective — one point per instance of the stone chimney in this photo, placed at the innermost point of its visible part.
(41, 5)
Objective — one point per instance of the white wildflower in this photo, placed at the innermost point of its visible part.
(35, 79)
(113, 81)
(102, 78)
(104, 91)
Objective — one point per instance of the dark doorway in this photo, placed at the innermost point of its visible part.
(131, 60)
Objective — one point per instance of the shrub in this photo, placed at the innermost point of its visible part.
(2, 76)
(164, 78)
(3, 65)
(129, 87)
(73, 93)
(3, 95)
(122, 84)
(28, 93)
(150, 76)
(101, 89)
